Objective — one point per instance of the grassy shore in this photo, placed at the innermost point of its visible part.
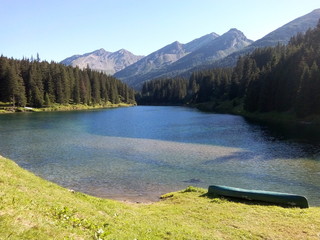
(7, 107)
(32, 208)
(236, 107)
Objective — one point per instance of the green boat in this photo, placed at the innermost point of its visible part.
(257, 195)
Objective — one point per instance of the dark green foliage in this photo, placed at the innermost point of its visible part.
(289, 79)
(201, 87)
(281, 79)
(164, 91)
(15, 87)
(41, 84)
(12, 87)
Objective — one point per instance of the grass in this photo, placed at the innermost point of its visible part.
(236, 106)
(7, 107)
(33, 208)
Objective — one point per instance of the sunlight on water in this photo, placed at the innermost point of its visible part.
(96, 153)
(170, 166)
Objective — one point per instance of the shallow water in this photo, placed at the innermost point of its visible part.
(140, 153)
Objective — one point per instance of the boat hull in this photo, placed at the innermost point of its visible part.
(257, 195)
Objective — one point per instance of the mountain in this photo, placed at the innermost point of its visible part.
(202, 50)
(282, 79)
(281, 35)
(209, 51)
(102, 60)
(230, 42)
(218, 53)
(156, 60)
(162, 58)
(200, 42)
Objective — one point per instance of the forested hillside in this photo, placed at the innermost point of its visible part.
(39, 84)
(281, 78)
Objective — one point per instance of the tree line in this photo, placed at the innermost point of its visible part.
(38, 84)
(284, 78)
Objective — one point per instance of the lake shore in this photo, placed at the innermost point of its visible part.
(235, 107)
(33, 208)
(144, 152)
(60, 107)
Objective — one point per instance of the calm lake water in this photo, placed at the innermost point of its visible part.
(139, 153)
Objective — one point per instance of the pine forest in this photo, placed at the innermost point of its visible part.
(40, 84)
(285, 78)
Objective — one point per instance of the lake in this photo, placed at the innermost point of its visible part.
(139, 153)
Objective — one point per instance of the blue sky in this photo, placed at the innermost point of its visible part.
(61, 28)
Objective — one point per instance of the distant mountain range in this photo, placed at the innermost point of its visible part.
(215, 48)
(281, 35)
(101, 60)
(176, 58)
(152, 65)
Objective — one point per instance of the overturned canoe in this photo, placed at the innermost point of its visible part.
(257, 195)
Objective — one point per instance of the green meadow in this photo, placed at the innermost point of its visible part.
(33, 208)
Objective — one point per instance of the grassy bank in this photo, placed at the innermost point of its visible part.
(32, 208)
(233, 106)
(7, 107)
(236, 107)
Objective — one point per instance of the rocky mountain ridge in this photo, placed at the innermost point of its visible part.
(102, 60)
(162, 58)
(176, 58)
(281, 35)
(213, 47)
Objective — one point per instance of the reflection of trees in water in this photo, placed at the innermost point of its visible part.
(302, 132)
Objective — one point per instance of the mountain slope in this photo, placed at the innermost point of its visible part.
(205, 58)
(162, 57)
(230, 42)
(155, 60)
(102, 60)
(281, 35)
(209, 51)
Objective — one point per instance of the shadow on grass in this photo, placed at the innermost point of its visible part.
(221, 199)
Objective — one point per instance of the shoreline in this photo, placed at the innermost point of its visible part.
(282, 118)
(124, 198)
(61, 108)
(34, 208)
(226, 107)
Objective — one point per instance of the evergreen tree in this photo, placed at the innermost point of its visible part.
(40, 84)
(76, 86)
(15, 87)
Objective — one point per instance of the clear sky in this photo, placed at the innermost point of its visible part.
(57, 29)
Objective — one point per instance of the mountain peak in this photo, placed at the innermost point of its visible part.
(234, 31)
(172, 48)
(199, 42)
(213, 34)
(176, 57)
(175, 43)
(236, 37)
(99, 52)
(102, 60)
(123, 51)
